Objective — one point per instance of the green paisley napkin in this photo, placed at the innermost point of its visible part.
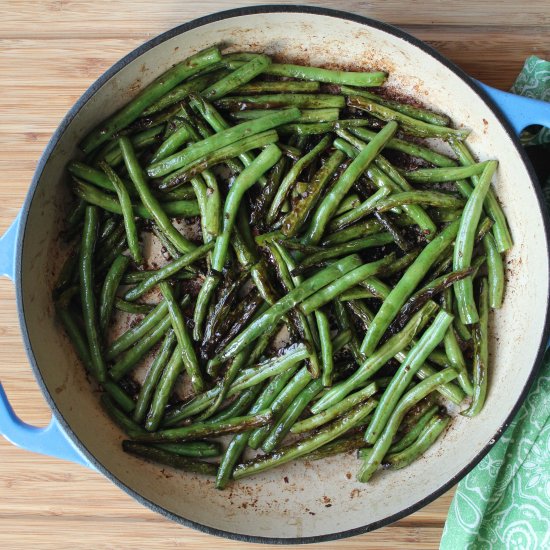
(504, 503)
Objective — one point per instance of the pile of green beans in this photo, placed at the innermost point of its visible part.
(323, 219)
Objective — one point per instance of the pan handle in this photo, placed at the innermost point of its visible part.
(7, 249)
(520, 111)
(51, 440)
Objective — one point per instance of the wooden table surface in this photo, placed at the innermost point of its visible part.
(50, 52)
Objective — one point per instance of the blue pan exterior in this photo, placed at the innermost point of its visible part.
(51, 147)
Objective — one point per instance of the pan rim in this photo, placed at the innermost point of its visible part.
(73, 112)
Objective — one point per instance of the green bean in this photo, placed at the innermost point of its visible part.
(75, 218)
(175, 95)
(89, 311)
(128, 360)
(74, 332)
(429, 198)
(323, 327)
(495, 270)
(119, 396)
(337, 410)
(501, 231)
(150, 202)
(339, 446)
(413, 396)
(347, 281)
(226, 137)
(240, 405)
(291, 177)
(296, 218)
(84, 172)
(260, 205)
(315, 128)
(281, 427)
(383, 174)
(327, 114)
(405, 108)
(188, 355)
(343, 322)
(304, 446)
(230, 151)
(172, 144)
(356, 294)
(449, 390)
(282, 306)
(208, 429)
(110, 223)
(453, 351)
(218, 124)
(234, 451)
(239, 442)
(446, 215)
(105, 246)
(202, 303)
(330, 203)
(326, 75)
(364, 209)
(105, 261)
(289, 283)
(132, 335)
(153, 376)
(108, 290)
(410, 125)
(133, 277)
(277, 86)
(427, 292)
(480, 337)
(195, 449)
(244, 181)
(205, 188)
(402, 290)
(277, 101)
(139, 141)
(120, 418)
(426, 439)
(127, 211)
(464, 244)
(419, 352)
(376, 360)
(360, 310)
(239, 362)
(181, 193)
(161, 456)
(436, 175)
(405, 244)
(350, 202)
(182, 208)
(356, 231)
(164, 388)
(148, 96)
(414, 431)
(237, 78)
(169, 270)
(246, 379)
(220, 310)
(167, 248)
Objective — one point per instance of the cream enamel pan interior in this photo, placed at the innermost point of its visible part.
(301, 502)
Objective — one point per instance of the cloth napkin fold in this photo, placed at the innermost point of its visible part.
(504, 502)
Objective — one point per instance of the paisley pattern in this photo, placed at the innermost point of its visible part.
(534, 82)
(504, 503)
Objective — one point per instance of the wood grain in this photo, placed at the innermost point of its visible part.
(50, 52)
